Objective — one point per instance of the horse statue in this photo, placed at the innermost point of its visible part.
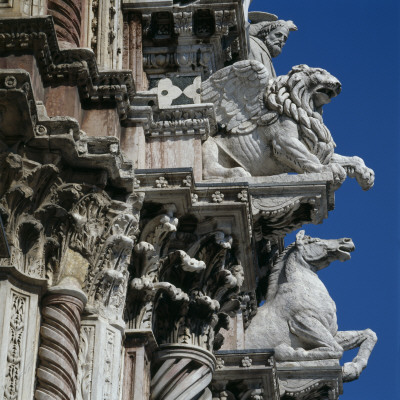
(298, 318)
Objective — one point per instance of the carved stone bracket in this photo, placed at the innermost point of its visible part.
(249, 374)
(283, 203)
(309, 383)
(32, 124)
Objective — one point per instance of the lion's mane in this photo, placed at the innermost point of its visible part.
(290, 95)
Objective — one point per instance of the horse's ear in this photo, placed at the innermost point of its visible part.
(300, 235)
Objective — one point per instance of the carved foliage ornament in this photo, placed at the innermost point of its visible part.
(185, 297)
(49, 222)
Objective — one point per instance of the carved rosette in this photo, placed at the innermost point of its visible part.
(58, 352)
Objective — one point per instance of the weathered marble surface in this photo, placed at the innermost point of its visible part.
(267, 36)
(269, 127)
(298, 318)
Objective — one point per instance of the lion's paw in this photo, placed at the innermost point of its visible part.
(237, 172)
(365, 177)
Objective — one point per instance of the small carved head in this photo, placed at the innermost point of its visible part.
(321, 252)
(273, 33)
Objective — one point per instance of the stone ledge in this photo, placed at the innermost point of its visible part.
(310, 379)
(57, 135)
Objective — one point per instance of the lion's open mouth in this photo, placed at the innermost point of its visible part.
(328, 92)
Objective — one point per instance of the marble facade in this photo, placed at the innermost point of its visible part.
(130, 268)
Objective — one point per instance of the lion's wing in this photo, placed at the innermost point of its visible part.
(237, 93)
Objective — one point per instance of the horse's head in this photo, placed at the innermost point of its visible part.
(320, 252)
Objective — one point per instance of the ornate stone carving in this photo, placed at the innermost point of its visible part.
(224, 20)
(272, 127)
(70, 66)
(185, 297)
(85, 362)
(183, 23)
(242, 374)
(267, 36)
(307, 330)
(15, 346)
(182, 120)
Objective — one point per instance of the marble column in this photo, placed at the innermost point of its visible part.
(58, 352)
(67, 15)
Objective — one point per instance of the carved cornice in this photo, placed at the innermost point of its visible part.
(26, 120)
(250, 373)
(51, 221)
(309, 383)
(71, 66)
(216, 206)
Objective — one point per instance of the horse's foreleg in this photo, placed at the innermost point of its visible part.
(365, 340)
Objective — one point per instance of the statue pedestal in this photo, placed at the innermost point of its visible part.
(252, 373)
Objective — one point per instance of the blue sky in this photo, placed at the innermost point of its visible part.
(358, 42)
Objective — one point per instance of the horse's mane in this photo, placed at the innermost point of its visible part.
(276, 270)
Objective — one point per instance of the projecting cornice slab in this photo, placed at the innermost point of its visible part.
(25, 121)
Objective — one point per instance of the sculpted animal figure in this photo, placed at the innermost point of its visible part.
(274, 126)
(298, 318)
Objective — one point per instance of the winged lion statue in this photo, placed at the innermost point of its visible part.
(274, 126)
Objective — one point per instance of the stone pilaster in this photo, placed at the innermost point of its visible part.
(132, 57)
(99, 367)
(19, 323)
(139, 347)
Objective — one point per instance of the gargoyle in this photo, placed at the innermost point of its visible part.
(273, 126)
(298, 318)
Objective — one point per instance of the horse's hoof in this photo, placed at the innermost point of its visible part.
(351, 371)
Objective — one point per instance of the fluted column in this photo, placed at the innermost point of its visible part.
(58, 352)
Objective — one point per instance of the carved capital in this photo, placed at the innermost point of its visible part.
(184, 296)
